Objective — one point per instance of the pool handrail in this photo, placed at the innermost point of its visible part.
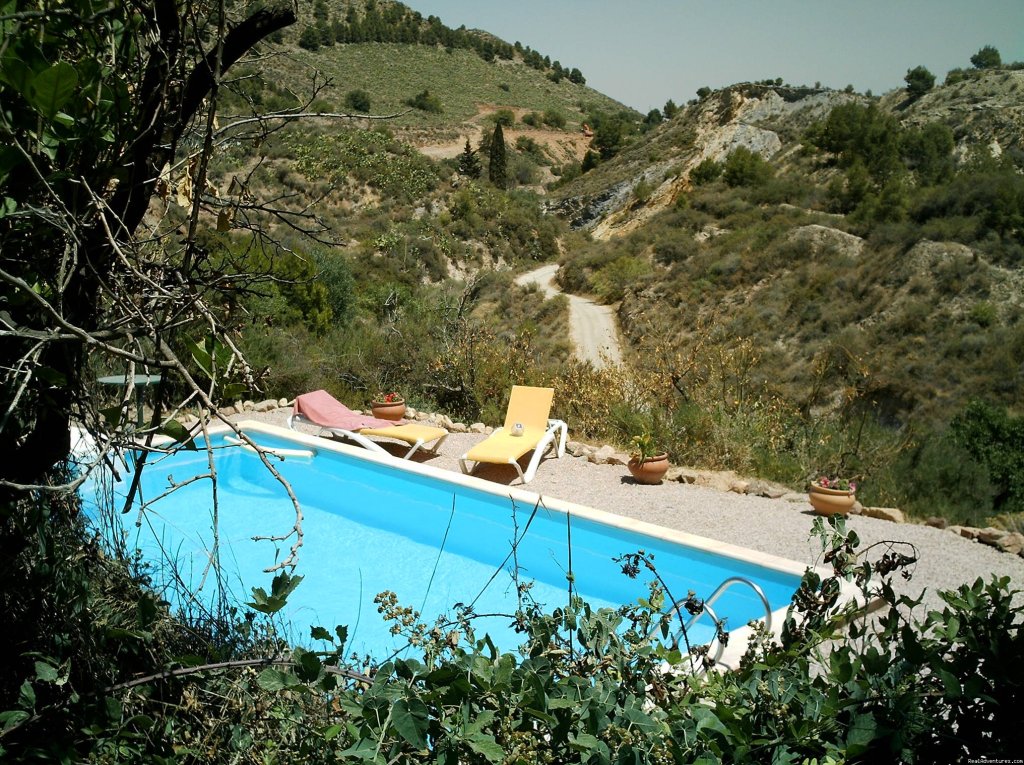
(709, 602)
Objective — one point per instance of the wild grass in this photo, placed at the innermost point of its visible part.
(392, 73)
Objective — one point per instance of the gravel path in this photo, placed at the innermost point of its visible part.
(774, 526)
(592, 327)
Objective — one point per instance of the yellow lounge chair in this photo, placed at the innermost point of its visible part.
(527, 407)
(322, 409)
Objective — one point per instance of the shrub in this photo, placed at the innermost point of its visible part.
(744, 167)
(706, 172)
(675, 250)
(524, 171)
(533, 119)
(504, 117)
(860, 134)
(996, 440)
(919, 81)
(986, 58)
(358, 101)
(642, 191)
(532, 149)
(954, 76)
(937, 477)
(554, 118)
(611, 281)
(310, 39)
(425, 101)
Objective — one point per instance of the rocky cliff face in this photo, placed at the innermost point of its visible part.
(986, 109)
(751, 116)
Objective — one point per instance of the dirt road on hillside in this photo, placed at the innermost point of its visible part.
(592, 327)
(561, 145)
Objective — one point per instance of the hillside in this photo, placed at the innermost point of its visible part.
(784, 261)
(364, 46)
(838, 260)
(174, 243)
(983, 110)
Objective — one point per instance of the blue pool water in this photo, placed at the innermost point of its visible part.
(371, 527)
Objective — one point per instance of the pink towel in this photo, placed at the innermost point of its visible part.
(327, 412)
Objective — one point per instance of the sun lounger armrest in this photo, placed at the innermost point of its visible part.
(562, 429)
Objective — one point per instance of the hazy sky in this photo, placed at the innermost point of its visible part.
(644, 52)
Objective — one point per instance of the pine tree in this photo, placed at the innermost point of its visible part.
(469, 162)
(987, 58)
(919, 81)
(497, 171)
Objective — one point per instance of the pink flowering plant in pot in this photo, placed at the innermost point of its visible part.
(832, 496)
(835, 484)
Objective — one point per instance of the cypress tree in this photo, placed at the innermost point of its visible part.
(469, 163)
(497, 171)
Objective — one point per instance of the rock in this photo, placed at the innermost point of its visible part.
(721, 142)
(458, 427)
(990, 535)
(926, 255)
(248, 405)
(283, 402)
(937, 522)
(795, 496)
(740, 487)
(766, 489)
(578, 449)
(823, 240)
(892, 514)
(689, 475)
(1012, 542)
(268, 405)
(857, 509)
(227, 411)
(607, 455)
(708, 232)
(477, 427)
(488, 430)
(679, 474)
(717, 480)
(968, 532)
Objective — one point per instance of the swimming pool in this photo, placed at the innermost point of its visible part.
(433, 537)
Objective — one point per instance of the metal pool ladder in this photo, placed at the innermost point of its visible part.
(719, 590)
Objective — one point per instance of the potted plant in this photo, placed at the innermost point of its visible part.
(647, 463)
(388, 406)
(832, 496)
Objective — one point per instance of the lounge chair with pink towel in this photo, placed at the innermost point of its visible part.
(324, 410)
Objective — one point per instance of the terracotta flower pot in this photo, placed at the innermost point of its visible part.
(831, 501)
(651, 471)
(389, 410)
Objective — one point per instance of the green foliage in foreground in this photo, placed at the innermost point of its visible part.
(588, 686)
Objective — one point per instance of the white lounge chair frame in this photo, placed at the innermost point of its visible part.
(365, 441)
(556, 428)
